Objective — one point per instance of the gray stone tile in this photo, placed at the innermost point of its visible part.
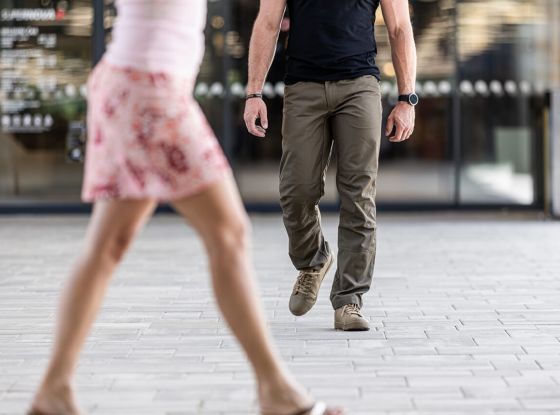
(464, 317)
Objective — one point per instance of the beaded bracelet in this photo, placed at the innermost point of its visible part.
(257, 95)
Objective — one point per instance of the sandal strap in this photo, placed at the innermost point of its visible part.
(36, 412)
(318, 408)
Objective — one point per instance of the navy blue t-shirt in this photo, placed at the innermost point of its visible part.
(330, 40)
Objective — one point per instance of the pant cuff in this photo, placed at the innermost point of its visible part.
(342, 300)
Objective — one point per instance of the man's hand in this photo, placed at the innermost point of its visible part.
(255, 108)
(402, 117)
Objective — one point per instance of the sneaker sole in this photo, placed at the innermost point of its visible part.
(350, 327)
(324, 274)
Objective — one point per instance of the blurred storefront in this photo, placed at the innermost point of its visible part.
(484, 76)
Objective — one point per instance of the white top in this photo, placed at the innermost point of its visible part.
(159, 36)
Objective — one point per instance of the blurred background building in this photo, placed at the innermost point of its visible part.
(485, 75)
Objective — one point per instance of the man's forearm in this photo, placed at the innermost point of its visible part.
(261, 53)
(403, 51)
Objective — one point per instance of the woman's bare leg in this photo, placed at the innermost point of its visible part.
(112, 227)
(219, 216)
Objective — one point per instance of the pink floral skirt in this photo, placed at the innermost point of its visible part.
(147, 137)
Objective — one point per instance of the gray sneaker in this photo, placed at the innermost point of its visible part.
(350, 318)
(306, 288)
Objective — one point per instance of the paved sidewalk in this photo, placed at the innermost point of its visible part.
(465, 315)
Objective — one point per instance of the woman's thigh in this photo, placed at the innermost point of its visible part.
(117, 221)
(215, 209)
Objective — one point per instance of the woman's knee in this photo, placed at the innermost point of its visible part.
(229, 236)
(120, 245)
(112, 249)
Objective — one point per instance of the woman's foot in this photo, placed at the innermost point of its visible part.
(54, 399)
(287, 397)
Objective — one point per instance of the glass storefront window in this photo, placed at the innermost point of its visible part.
(45, 59)
(505, 68)
(421, 170)
(484, 68)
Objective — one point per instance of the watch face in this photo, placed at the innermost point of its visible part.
(413, 99)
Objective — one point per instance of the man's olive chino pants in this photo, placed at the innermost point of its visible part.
(319, 117)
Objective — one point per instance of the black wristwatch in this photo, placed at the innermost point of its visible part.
(411, 99)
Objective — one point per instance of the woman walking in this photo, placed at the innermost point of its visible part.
(149, 142)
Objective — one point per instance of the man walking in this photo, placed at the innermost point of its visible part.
(332, 99)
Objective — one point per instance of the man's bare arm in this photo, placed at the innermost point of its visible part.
(403, 51)
(261, 53)
(263, 42)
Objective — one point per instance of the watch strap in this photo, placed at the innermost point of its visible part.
(407, 98)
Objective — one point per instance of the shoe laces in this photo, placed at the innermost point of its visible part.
(353, 309)
(306, 282)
